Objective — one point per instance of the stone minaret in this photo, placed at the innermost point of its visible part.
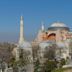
(21, 39)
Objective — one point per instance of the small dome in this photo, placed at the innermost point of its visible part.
(58, 24)
(61, 44)
(44, 45)
(25, 45)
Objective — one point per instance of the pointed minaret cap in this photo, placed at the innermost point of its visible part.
(21, 17)
(42, 27)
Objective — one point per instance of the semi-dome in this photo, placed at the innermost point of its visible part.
(58, 24)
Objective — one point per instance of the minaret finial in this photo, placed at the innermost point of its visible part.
(42, 27)
(21, 40)
(21, 17)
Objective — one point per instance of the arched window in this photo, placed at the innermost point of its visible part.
(52, 36)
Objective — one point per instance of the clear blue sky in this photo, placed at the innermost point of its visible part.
(34, 11)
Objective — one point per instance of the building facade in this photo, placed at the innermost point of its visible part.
(58, 33)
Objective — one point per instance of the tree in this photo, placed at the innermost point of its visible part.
(50, 62)
(62, 62)
(36, 61)
(37, 66)
(24, 60)
(49, 66)
(70, 48)
(6, 51)
(35, 49)
(50, 52)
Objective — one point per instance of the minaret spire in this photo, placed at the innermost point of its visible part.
(21, 39)
(42, 27)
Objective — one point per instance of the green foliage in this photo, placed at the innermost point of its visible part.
(62, 62)
(12, 62)
(70, 47)
(36, 65)
(58, 70)
(49, 65)
(35, 50)
(50, 52)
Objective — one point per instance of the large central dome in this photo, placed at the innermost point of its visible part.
(58, 24)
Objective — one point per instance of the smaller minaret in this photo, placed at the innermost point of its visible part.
(42, 27)
(21, 39)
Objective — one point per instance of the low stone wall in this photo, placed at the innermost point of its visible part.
(64, 70)
(68, 70)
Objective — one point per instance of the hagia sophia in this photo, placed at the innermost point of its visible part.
(57, 33)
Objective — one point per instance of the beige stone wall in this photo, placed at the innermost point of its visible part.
(60, 35)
